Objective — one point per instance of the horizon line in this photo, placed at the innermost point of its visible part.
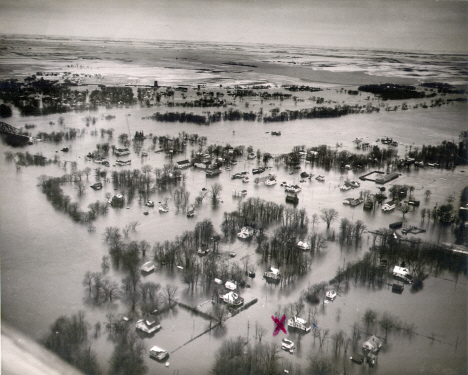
(83, 37)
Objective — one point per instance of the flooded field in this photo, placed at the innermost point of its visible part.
(45, 255)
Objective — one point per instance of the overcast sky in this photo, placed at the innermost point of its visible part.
(422, 25)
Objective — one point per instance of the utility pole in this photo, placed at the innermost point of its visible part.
(248, 326)
(128, 126)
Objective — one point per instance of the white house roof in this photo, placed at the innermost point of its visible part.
(400, 270)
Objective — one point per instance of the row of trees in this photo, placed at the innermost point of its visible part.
(387, 323)
(51, 187)
(235, 356)
(236, 115)
(127, 256)
(58, 136)
(388, 91)
(68, 338)
(447, 154)
(257, 213)
(351, 232)
(318, 112)
(25, 159)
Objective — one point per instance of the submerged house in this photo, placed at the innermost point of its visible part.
(212, 171)
(298, 323)
(372, 345)
(401, 273)
(272, 275)
(386, 178)
(122, 151)
(117, 200)
(183, 164)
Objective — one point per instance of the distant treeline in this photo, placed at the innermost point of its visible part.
(27, 98)
(231, 115)
(447, 154)
(241, 93)
(389, 91)
(204, 102)
(295, 88)
(179, 117)
(35, 97)
(444, 88)
(276, 116)
(418, 256)
(111, 96)
(316, 112)
(26, 159)
(57, 137)
(5, 111)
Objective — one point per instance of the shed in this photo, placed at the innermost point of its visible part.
(397, 288)
(358, 358)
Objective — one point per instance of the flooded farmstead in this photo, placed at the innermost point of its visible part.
(252, 216)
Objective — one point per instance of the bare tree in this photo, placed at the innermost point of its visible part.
(320, 243)
(215, 191)
(298, 306)
(87, 171)
(338, 340)
(77, 175)
(144, 247)
(259, 331)
(126, 229)
(169, 294)
(105, 264)
(411, 189)
(146, 169)
(133, 225)
(88, 281)
(369, 317)
(323, 333)
(110, 321)
(111, 233)
(315, 220)
(404, 208)
(110, 290)
(356, 335)
(201, 196)
(387, 322)
(42, 180)
(97, 284)
(329, 215)
(80, 187)
(219, 312)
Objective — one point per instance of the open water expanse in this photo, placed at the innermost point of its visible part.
(45, 255)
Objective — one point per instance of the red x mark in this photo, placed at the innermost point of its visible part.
(279, 324)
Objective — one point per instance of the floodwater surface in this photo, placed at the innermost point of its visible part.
(45, 255)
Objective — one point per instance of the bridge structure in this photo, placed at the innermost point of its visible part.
(12, 135)
(8, 129)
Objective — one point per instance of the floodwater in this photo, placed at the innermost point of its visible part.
(45, 254)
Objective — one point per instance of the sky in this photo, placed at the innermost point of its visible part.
(423, 25)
